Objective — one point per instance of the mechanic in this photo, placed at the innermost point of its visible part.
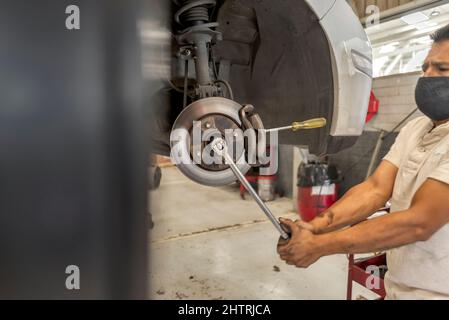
(415, 176)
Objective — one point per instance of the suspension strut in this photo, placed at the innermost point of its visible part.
(195, 13)
(198, 35)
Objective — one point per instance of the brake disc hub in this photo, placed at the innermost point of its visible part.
(211, 118)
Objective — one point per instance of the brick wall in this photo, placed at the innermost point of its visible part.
(397, 99)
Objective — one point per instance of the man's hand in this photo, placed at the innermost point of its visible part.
(301, 249)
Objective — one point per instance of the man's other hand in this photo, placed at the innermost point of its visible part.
(300, 250)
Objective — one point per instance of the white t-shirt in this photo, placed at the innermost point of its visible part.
(419, 270)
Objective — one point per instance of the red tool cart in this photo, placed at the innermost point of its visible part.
(358, 269)
(357, 273)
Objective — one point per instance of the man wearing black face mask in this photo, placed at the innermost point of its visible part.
(415, 176)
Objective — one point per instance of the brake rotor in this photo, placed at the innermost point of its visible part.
(212, 116)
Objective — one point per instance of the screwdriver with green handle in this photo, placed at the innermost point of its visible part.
(304, 125)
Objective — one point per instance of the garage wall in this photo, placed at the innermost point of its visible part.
(397, 99)
(285, 172)
(353, 163)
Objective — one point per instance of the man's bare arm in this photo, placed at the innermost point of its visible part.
(428, 213)
(359, 202)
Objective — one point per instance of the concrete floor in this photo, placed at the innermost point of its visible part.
(207, 243)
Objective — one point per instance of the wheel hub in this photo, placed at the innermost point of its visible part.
(211, 118)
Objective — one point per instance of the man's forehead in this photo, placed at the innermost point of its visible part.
(439, 52)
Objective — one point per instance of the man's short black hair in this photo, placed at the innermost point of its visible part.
(441, 34)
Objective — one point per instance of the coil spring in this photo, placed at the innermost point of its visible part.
(195, 14)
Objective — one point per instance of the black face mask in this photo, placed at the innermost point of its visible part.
(432, 97)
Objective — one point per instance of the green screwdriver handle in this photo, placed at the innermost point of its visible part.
(309, 124)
